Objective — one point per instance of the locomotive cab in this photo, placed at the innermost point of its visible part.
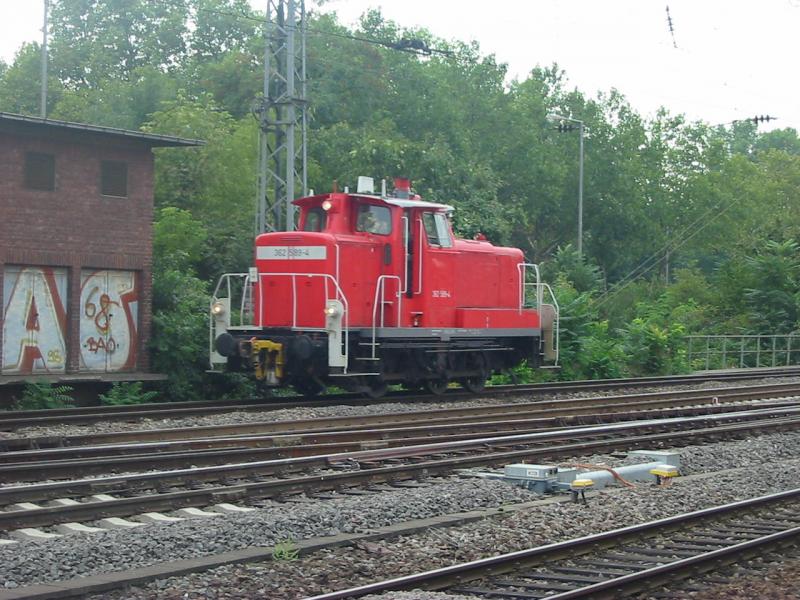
(375, 289)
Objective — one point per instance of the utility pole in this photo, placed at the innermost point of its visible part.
(556, 118)
(43, 103)
(282, 117)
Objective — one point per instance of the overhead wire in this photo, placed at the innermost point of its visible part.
(658, 256)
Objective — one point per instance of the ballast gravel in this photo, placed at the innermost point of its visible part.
(344, 410)
(341, 568)
(33, 562)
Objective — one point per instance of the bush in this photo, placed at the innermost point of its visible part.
(180, 332)
(124, 393)
(654, 350)
(43, 395)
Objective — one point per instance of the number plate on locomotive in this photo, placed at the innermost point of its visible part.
(291, 253)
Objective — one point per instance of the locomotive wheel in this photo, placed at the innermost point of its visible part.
(375, 389)
(437, 387)
(308, 387)
(474, 385)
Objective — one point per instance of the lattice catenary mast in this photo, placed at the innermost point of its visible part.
(282, 117)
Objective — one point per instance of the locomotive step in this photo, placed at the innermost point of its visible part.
(358, 374)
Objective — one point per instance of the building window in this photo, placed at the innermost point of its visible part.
(114, 178)
(40, 171)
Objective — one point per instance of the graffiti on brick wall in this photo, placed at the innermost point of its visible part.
(34, 320)
(108, 320)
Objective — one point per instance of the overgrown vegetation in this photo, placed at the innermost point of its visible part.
(127, 392)
(38, 395)
(689, 227)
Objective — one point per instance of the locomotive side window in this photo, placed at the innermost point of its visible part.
(316, 219)
(374, 219)
(437, 230)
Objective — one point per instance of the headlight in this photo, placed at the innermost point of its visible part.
(217, 309)
(326, 205)
(331, 311)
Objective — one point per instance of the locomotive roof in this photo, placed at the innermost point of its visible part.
(391, 200)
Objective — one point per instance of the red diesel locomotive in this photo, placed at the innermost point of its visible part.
(374, 289)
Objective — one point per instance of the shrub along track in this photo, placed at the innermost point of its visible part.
(13, 420)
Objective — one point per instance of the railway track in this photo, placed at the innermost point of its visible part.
(574, 407)
(71, 462)
(620, 562)
(205, 486)
(13, 420)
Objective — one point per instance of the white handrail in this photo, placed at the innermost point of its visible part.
(380, 293)
(539, 289)
(557, 320)
(224, 280)
(522, 269)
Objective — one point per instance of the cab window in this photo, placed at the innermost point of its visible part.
(316, 219)
(437, 229)
(374, 219)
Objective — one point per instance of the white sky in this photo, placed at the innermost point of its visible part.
(734, 57)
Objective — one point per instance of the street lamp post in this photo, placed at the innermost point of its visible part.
(553, 117)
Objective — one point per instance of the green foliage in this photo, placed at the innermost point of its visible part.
(577, 316)
(39, 395)
(127, 392)
(285, 550)
(98, 40)
(773, 294)
(20, 82)
(576, 269)
(180, 329)
(178, 238)
(654, 350)
(601, 356)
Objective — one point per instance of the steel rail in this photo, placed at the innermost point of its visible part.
(282, 466)
(47, 465)
(590, 406)
(11, 420)
(451, 576)
(426, 460)
(290, 432)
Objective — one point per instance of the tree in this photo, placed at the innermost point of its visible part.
(180, 302)
(94, 41)
(20, 83)
(215, 183)
(773, 294)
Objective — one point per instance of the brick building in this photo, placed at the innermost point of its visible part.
(76, 217)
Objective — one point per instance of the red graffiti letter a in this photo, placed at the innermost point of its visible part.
(32, 322)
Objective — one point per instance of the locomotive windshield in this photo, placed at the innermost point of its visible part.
(374, 219)
(437, 230)
(316, 219)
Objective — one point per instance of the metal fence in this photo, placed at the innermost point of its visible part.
(742, 351)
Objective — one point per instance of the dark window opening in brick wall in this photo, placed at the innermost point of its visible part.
(114, 178)
(40, 171)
